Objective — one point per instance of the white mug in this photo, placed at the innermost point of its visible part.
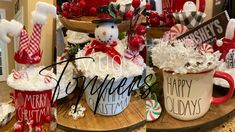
(188, 96)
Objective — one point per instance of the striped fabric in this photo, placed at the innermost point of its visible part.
(35, 40)
(24, 41)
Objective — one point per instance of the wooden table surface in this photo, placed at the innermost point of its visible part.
(131, 118)
(217, 115)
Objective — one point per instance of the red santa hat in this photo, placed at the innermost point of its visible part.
(230, 34)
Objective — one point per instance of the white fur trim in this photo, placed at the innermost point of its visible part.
(15, 28)
(230, 29)
(4, 26)
(219, 43)
(38, 18)
(46, 8)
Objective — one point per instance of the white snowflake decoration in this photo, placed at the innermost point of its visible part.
(79, 113)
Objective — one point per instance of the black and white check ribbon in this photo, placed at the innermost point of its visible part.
(189, 19)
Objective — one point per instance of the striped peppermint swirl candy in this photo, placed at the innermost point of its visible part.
(153, 110)
(177, 30)
(190, 43)
(17, 74)
(206, 48)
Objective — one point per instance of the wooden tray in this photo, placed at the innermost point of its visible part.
(217, 115)
(84, 24)
(131, 118)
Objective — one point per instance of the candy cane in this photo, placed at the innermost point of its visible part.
(16, 74)
(47, 79)
(64, 54)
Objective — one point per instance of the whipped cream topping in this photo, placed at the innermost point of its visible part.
(32, 80)
(77, 37)
(178, 58)
(104, 64)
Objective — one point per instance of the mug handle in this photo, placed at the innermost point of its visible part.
(230, 80)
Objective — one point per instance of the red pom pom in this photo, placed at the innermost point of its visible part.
(148, 6)
(66, 6)
(82, 4)
(135, 3)
(129, 15)
(154, 22)
(140, 30)
(135, 42)
(93, 11)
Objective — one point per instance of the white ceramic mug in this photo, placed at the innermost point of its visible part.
(189, 96)
(109, 104)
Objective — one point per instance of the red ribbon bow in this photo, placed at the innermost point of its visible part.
(97, 46)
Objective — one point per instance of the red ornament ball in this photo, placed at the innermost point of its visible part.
(154, 22)
(48, 119)
(135, 3)
(129, 15)
(76, 10)
(82, 4)
(65, 14)
(66, 6)
(148, 6)
(75, 1)
(162, 17)
(93, 11)
(153, 14)
(135, 42)
(140, 30)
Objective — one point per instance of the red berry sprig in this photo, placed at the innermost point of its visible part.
(135, 33)
(75, 9)
(154, 19)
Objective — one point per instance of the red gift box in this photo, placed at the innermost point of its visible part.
(32, 105)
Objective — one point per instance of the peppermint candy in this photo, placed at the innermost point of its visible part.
(17, 74)
(206, 48)
(64, 54)
(18, 126)
(47, 79)
(38, 128)
(30, 125)
(153, 110)
(167, 36)
(177, 30)
(78, 113)
(190, 43)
